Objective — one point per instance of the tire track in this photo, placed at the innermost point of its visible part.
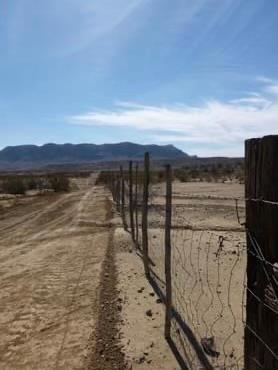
(107, 353)
(50, 269)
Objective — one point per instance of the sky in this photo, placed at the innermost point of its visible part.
(199, 74)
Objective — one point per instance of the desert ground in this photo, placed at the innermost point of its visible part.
(208, 266)
(73, 291)
(64, 300)
(51, 255)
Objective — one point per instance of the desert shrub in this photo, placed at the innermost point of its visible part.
(59, 183)
(31, 183)
(205, 172)
(182, 175)
(42, 183)
(212, 172)
(104, 178)
(160, 176)
(156, 176)
(14, 185)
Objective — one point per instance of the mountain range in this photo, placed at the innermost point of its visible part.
(33, 156)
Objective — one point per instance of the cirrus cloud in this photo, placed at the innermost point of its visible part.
(213, 123)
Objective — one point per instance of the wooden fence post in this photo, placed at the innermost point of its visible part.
(122, 195)
(261, 184)
(136, 205)
(131, 210)
(112, 181)
(145, 214)
(118, 192)
(168, 280)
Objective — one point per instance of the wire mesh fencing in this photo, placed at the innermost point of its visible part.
(208, 267)
(207, 277)
(222, 285)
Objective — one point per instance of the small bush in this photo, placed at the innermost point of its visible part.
(59, 183)
(182, 175)
(31, 183)
(103, 178)
(14, 185)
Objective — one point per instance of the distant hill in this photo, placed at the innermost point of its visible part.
(32, 156)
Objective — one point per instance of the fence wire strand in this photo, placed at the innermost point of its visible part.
(209, 279)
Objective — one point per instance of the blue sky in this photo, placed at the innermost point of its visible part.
(200, 74)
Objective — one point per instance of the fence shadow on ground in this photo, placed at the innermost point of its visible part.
(185, 329)
(219, 305)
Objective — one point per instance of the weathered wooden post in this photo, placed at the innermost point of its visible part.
(131, 209)
(112, 182)
(261, 191)
(122, 195)
(168, 280)
(145, 214)
(118, 192)
(136, 206)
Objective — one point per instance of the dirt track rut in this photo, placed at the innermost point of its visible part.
(51, 252)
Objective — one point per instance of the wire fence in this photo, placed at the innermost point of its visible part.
(207, 274)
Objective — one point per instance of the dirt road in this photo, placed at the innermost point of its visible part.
(51, 251)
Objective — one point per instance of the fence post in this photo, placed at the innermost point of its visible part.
(122, 195)
(131, 210)
(145, 214)
(112, 179)
(168, 279)
(136, 205)
(261, 182)
(118, 192)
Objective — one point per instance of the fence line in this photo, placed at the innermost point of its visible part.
(200, 272)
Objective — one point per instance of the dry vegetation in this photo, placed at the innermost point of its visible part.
(20, 185)
(219, 172)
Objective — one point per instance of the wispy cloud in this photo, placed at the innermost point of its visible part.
(271, 85)
(259, 101)
(273, 89)
(101, 18)
(214, 123)
(74, 25)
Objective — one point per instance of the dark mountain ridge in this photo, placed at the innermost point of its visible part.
(33, 156)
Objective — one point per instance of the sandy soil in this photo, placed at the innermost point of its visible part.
(69, 289)
(50, 256)
(142, 328)
(208, 266)
(73, 292)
